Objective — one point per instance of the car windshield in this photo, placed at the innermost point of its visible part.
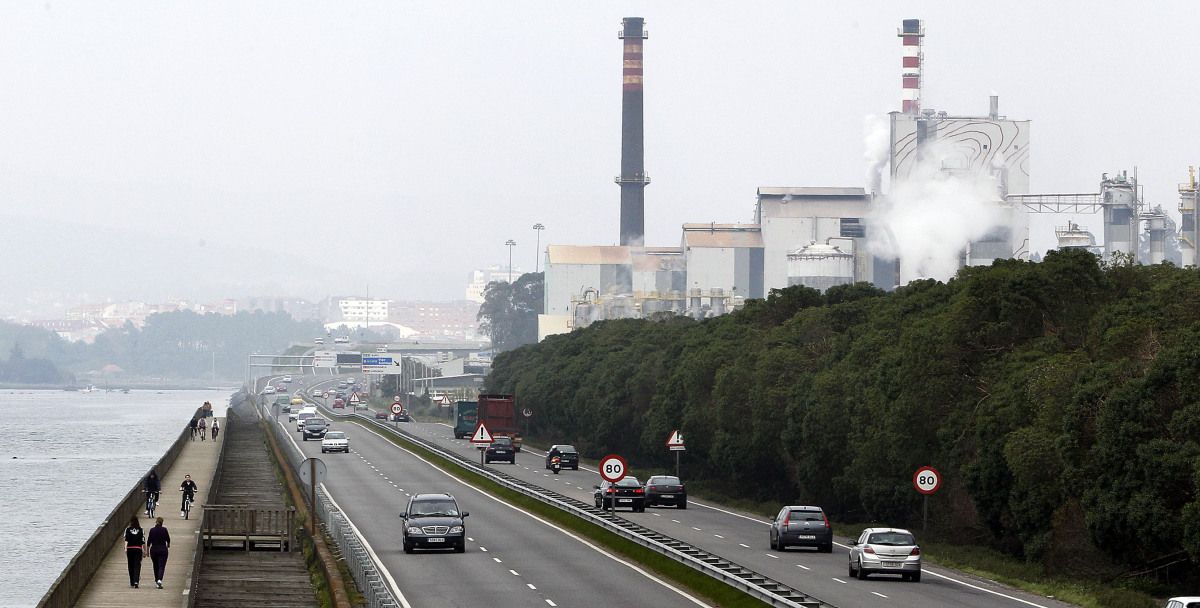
(664, 481)
(434, 508)
(316, 421)
(502, 441)
(629, 482)
(895, 539)
(335, 435)
(566, 449)
(807, 516)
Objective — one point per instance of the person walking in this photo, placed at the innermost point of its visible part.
(159, 541)
(135, 542)
(188, 487)
(192, 426)
(200, 426)
(216, 428)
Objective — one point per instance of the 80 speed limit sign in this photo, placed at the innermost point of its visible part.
(927, 480)
(612, 468)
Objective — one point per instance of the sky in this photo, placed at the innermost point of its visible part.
(321, 148)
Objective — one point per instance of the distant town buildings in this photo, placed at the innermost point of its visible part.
(478, 280)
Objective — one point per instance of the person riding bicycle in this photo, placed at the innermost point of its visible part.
(188, 487)
(152, 486)
(192, 426)
(216, 428)
(202, 428)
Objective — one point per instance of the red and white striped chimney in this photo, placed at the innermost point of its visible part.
(912, 34)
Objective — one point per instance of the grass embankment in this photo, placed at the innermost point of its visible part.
(693, 581)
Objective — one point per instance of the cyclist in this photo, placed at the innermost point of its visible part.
(201, 428)
(192, 426)
(188, 487)
(216, 428)
(152, 487)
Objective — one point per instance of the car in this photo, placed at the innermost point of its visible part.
(568, 456)
(885, 551)
(341, 384)
(500, 449)
(286, 409)
(302, 415)
(286, 380)
(628, 493)
(1184, 602)
(268, 390)
(318, 393)
(335, 441)
(280, 390)
(434, 521)
(340, 394)
(318, 340)
(801, 526)
(351, 380)
(403, 416)
(341, 340)
(339, 403)
(296, 401)
(666, 490)
(315, 428)
(381, 415)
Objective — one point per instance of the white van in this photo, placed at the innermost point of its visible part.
(304, 414)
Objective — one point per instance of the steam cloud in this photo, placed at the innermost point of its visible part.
(876, 140)
(930, 216)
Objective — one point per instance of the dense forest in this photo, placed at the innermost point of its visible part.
(175, 345)
(1059, 400)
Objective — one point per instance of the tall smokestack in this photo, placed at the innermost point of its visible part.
(633, 178)
(912, 35)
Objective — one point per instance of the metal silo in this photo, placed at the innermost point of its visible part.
(1118, 196)
(820, 266)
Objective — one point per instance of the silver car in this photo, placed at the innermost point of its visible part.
(885, 551)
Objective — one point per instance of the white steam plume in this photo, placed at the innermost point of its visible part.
(877, 136)
(931, 215)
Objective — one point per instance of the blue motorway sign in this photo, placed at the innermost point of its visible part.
(380, 364)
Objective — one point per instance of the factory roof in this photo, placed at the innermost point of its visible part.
(801, 192)
(587, 254)
(722, 235)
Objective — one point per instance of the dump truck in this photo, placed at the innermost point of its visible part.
(497, 412)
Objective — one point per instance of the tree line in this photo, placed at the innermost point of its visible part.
(1057, 399)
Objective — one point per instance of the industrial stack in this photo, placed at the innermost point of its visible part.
(633, 177)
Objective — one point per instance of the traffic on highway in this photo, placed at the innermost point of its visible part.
(524, 557)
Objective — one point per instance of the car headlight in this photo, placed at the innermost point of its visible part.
(414, 530)
(456, 529)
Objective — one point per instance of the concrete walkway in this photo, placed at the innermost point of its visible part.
(110, 585)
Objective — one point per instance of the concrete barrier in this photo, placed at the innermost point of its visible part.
(74, 578)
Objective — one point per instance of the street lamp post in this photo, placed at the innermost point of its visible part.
(510, 243)
(537, 249)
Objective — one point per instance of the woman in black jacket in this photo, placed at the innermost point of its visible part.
(160, 542)
(135, 542)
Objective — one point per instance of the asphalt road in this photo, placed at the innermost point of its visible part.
(743, 538)
(513, 559)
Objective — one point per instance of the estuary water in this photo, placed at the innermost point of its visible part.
(66, 458)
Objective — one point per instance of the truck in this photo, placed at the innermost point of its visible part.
(498, 412)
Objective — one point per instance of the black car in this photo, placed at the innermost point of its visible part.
(501, 449)
(568, 457)
(433, 521)
(403, 416)
(628, 493)
(666, 490)
(315, 428)
(800, 526)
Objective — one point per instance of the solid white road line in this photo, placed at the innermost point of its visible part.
(375, 558)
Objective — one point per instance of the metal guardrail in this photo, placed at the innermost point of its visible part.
(737, 576)
(363, 568)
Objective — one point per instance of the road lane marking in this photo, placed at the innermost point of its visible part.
(803, 566)
(551, 602)
(695, 528)
(484, 549)
(676, 521)
(718, 536)
(530, 585)
(840, 580)
(514, 572)
(978, 588)
(771, 556)
(375, 558)
(497, 560)
(744, 545)
(879, 594)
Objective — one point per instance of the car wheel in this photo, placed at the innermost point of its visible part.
(862, 573)
(916, 577)
(827, 548)
(460, 547)
(305, 438)
(683, 505)
(408, 548)
(322, 450)
(851, 572)
(774, 545)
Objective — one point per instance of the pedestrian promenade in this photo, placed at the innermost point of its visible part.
(109, 587)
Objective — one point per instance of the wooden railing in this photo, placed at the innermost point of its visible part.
(247, 526)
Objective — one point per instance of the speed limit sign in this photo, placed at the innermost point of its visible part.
(612, 468)
(927, 480)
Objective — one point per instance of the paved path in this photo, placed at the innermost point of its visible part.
(110, 585)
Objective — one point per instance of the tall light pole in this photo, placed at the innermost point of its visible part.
(510, 243)
(537, 249)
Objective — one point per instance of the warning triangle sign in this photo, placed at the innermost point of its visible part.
(482, 435)
(353, 397)
(675, 441)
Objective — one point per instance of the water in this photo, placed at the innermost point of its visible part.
(65, 460)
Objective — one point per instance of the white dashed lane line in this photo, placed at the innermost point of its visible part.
(514, 572)
(695, 528)
(840, 581)
(744, 545)
(551, 602)
(803, 566)
(531, 587)
(879, 594)
(718, 536)
(498, 560)
(771, 556)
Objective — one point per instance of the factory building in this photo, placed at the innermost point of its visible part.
(728, 257)
(792, 219)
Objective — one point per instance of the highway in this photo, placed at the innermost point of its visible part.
(513, 559)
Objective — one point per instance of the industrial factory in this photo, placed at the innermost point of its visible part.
(821, 237)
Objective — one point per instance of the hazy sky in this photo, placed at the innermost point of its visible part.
(402, 143)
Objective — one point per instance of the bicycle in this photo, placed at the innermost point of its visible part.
(188, 499)
(151, 503)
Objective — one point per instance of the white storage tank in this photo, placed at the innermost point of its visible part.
(820, 266)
